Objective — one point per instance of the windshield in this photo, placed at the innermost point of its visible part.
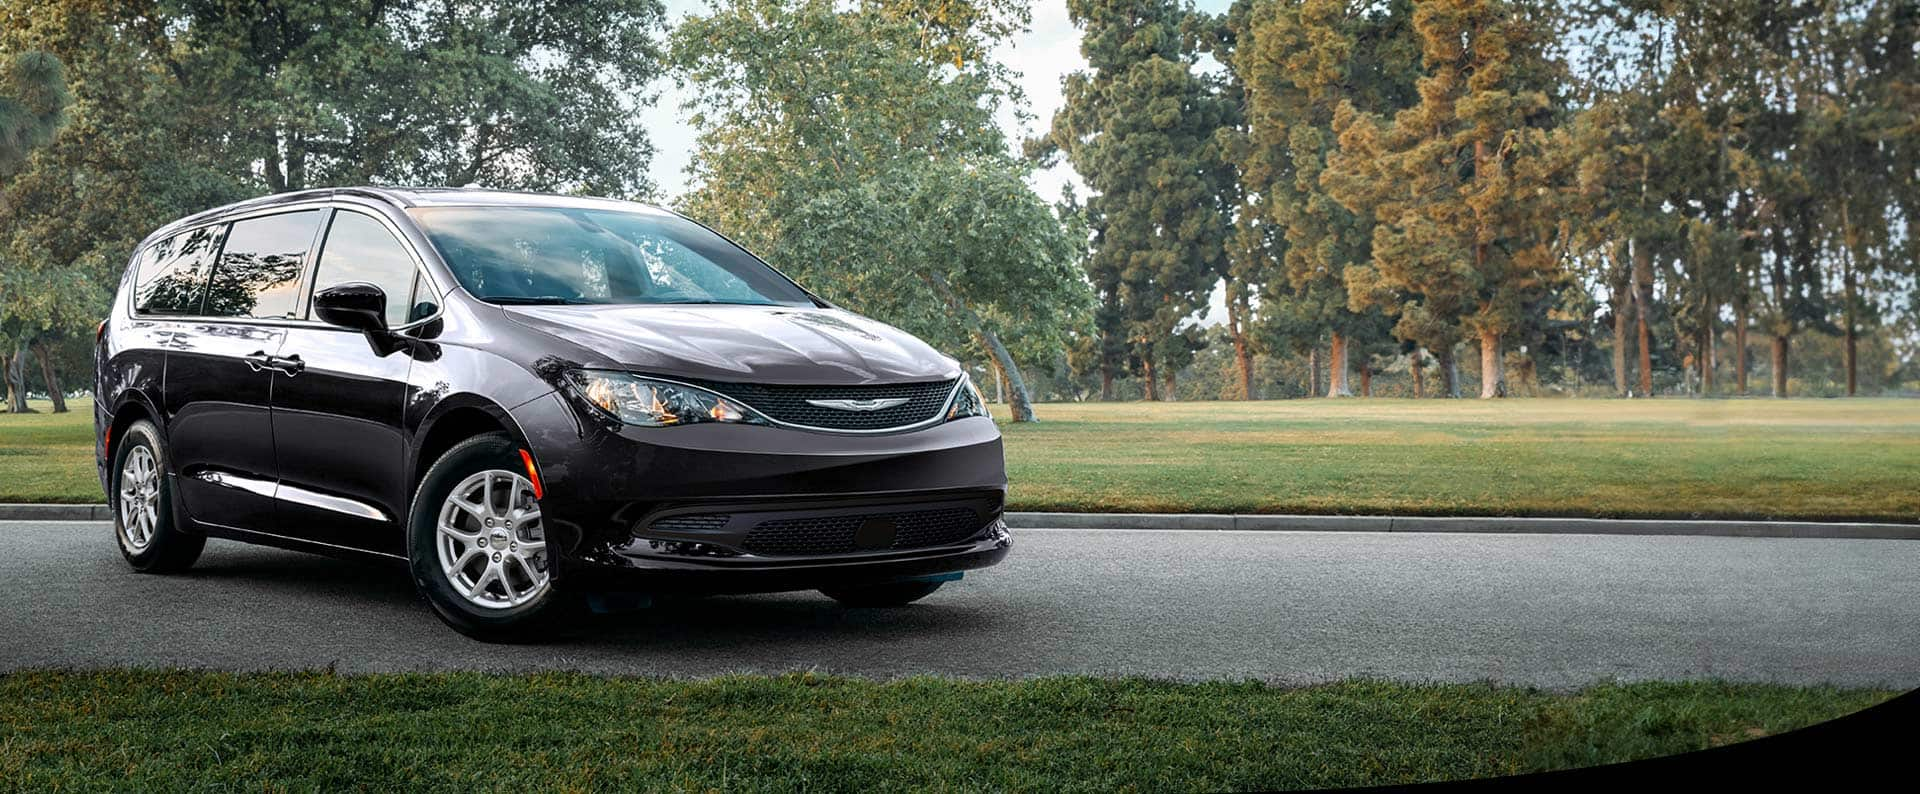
(553, 255)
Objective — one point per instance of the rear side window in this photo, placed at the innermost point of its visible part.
(173, 272)
(359, 248)
(258, 274)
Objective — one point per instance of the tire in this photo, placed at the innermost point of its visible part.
(892, 594)
(142, 493)
(484, 579)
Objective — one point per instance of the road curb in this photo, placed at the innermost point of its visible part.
(43, 512)
(1477, 524)
(1305, 523)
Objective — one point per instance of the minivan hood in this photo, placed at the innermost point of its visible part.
(761, 344)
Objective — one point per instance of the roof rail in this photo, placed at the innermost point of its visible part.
(390, 196)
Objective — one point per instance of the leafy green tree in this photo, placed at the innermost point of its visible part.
(537, 95)
(1140, 127)
(33, 104)
(849, 146)
(180, 105)
(1462, 184)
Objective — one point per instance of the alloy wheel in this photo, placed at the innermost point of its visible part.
(492, 545)
(139, 498)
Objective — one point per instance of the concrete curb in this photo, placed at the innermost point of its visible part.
(1263, 523)
(1557, 526)
(38, 512)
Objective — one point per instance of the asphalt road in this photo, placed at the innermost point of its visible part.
(1547, 610)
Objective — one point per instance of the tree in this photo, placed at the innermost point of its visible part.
(848, 146)
(33, 104)
(180, 106)
(1462, 184)
(533, 95)
(1140, 127)
(1300, 61)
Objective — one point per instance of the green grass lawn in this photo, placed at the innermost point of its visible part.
(1816, 459)
(140, 730)
(47, 457)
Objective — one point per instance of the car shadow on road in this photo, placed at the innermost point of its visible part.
(670, 622)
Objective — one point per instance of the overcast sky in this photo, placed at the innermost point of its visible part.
(1042, 56)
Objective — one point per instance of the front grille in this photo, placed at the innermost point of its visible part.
(789, 403)
(841, 534)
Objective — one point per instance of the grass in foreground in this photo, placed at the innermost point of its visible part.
(133, 730)
(1812, 459)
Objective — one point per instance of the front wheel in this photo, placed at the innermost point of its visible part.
(892, 594)
(478, 547)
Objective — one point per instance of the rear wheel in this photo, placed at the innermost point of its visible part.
(143, 505)
(478, 546)
(892, 594)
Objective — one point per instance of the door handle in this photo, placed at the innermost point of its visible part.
(258, 360)
(291, 365)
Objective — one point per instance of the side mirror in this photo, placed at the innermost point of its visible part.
(356, 305)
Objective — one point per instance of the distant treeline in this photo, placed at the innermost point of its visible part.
(1628, 197)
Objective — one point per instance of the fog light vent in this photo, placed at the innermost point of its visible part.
(700, 522)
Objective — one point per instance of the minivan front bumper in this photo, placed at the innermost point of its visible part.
(742, 508)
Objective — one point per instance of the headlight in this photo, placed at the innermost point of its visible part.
(968, 402)
(652, 403)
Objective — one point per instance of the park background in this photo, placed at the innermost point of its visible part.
(1129, 200)
(1156, 220)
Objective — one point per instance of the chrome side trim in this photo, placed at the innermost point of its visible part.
(229, 480)
(337, 504)
(290, 493)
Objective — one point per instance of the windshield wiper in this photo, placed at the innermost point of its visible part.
(535, 300)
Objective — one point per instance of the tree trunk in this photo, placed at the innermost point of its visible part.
(1852, 335)
(1366, 380)
(1740, 346)
(1642, 301)
(1313, 371)
(1152, 381)
(1706, 359)
(52, 378)
(1019, 402)
(1242, 352)
(1419, 367)
(1849, 281)
(1337, 369)
(1493, 374)
(1620, 297)
(1106, 379)
(1780, 365)
(1168, 394)
(1449, 372)
(16, 375)
(1620, 342)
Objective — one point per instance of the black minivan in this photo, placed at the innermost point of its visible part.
(535, 401)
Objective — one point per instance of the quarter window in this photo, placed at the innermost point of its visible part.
(173, 272)
(258, 274)
(359, 248)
